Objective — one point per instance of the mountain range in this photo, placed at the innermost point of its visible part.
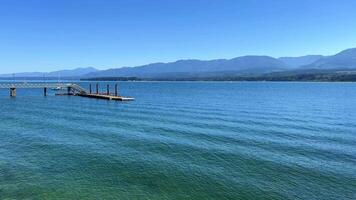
(240, 66)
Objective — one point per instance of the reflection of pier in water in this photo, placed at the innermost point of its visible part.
(71, 89)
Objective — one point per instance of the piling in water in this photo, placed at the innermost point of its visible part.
(13, 92)
(116, 93)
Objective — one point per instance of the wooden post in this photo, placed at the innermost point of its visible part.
(97, 88)
(89, 88)
(13, 92)
(107, 89)
(45, 91)
(116, 87)
(68, 90)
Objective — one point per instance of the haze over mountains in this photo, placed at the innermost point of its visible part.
(343, 60)
(240, 66)
(295, 62)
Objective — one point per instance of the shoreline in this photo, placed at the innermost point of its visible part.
(171, 81)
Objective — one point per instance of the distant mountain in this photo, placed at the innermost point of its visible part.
(62, 73)
(241, 65)
(246, 66)
(295, 62)
(343, 60)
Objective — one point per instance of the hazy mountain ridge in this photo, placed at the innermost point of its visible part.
(245, 64)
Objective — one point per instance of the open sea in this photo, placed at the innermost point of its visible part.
(182, 140)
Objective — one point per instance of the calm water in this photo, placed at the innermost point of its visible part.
(182, 141)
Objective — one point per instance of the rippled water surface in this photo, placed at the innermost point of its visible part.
(182, 141)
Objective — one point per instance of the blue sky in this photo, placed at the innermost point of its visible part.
(38, 35)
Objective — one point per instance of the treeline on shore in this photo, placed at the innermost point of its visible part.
(307, 76)
(112, 79)
(322, 77)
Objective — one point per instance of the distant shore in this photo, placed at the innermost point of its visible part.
(324, 76)
(333, 77)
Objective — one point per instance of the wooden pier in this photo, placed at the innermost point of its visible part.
(70, 88)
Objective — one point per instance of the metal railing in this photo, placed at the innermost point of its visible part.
(42, 85)
(32, 85)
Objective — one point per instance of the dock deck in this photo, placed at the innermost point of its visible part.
(107, 97)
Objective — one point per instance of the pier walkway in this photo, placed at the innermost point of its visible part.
(33, 85)
(71, 89)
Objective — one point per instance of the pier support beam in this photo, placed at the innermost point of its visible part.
(45, 91)
(107, 89)
(12, 92)
(97, 88)
(116, 90)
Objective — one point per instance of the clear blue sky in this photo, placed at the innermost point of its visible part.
(38, 35)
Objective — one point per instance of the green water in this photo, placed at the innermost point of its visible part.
(182, 141)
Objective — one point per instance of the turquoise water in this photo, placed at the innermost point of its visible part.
(182, 141)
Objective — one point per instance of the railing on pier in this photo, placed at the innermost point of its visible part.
(33, 85)
(72, 89)
(69, 86)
